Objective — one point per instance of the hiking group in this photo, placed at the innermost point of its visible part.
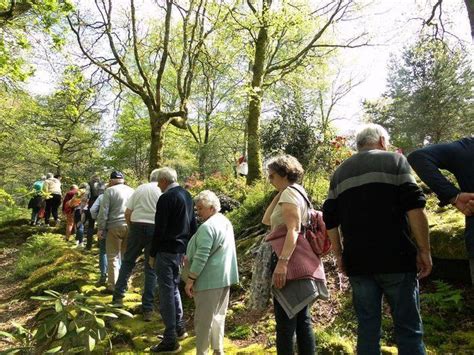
(374, 216)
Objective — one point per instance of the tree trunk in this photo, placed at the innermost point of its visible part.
(261, 278)
(157, 140)
(255, 108)
(470, 13)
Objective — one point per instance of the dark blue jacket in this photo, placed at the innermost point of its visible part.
(175, 222)
(456, 157)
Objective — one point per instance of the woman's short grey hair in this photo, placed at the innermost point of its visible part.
(208, 199)
(49, 175)
(287, 165)
(370, 134)
(154, 175)
(167, 174)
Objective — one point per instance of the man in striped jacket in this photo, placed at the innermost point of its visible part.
(379, 231)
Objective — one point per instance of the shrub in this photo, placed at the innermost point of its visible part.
(252, 209)
(241, 332)
(235, 188)
(68, 324)
(39, 250)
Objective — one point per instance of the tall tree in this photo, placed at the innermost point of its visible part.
(430, 96)
(67, 121)
(18, 19)
(145, 59)
(286, 36)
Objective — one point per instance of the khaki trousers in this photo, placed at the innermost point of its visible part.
(209, 319)
(115, 246)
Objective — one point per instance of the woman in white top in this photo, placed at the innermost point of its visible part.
(290, 209)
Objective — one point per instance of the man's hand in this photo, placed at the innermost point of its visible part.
(100, 234)
(189, 288)
(464, 202)
(279, 275)
(151, 262)
(424, 263)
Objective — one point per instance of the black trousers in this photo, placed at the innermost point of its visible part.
(52, 206)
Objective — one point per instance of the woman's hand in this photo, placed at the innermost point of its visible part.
(279, 275)
(189, 288)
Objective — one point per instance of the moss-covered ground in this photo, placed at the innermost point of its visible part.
(36, 259)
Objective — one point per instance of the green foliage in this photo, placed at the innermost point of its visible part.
(21, 340)
(241, 332)
(68, 324)
(221, 185)
(430, 96)
(445, 299)
(5, 198)
(39, 250)
(291, 131)
(251, 211)
(27, 17)
(317, 187)
(440, 309)
(331, 343)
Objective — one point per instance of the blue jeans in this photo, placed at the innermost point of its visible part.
(401, 290)
(34, 215)
(171, 309)
(102, 256)
(79, 232)
(286, 328)
(140, 236)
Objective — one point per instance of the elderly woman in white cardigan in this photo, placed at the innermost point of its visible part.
(212, 261)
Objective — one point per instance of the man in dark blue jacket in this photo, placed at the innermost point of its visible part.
(458, 158)
(175, 223)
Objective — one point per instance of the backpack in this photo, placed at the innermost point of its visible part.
(315, 230)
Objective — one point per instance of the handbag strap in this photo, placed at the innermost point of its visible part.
(310, 205)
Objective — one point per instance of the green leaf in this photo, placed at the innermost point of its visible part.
(53, 350)
(58, 306)
(100, 322)
(7, 335)
(43, 298)
(53, 293)
(109, 315)
(86, 310)
(123, 312)
(80, 329)
(91, 343)
(62, 330)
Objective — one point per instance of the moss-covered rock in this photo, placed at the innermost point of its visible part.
(63, 275)
(331, 343)
(389, 350)
(447, 234)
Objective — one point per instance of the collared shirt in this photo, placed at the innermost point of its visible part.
(170, 186)
(142, 203)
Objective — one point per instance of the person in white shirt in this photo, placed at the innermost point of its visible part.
(140, 216)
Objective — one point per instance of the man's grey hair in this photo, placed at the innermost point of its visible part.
(49, 175)
(370, 134)
(167, 174)
(154, 175)
(208, 199)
